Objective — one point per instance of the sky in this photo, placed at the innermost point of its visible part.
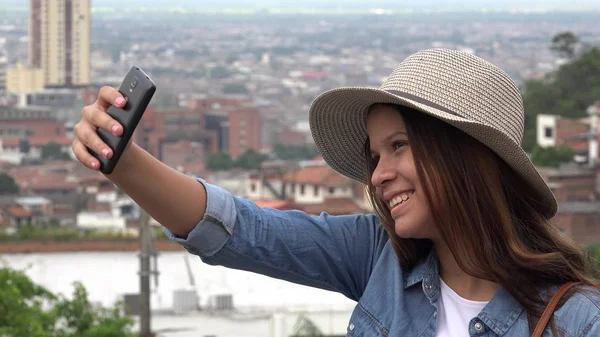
(389, 4)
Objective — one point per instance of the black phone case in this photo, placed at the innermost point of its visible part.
(138, 89)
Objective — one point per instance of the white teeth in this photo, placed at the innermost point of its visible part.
(399, 199)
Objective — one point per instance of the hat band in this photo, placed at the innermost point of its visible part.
(422, 101)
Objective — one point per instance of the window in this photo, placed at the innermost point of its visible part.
(302, 189)
(548, 132)
(331, 190)
(316, 190)
(253, 187)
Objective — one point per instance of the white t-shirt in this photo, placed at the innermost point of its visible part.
(456, 313)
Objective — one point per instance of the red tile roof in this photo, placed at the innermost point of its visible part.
(52, 182)
(277, 204)
(63, 210)
(6, 164)
(18, 211)
(39, 141)
(35, 178)
(10, 141)
(317, 175)
(334, 206)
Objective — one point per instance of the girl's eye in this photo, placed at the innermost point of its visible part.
(398, 144)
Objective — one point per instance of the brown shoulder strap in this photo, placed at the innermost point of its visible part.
(543, 322)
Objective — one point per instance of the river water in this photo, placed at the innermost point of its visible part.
(109, 275)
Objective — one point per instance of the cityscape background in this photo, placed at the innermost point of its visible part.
(235, 81)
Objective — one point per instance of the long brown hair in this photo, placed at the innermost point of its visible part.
(486, 214)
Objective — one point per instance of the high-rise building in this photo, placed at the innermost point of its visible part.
(59, 41)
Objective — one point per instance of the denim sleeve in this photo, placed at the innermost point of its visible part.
(334, 253)
(593, 329)
(215, 228)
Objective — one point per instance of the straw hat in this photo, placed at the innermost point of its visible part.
(457, 87)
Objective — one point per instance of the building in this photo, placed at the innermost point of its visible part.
(314, 187)
(184, 155)
(553, 130)
(65, 103)
(112, 212)
(150, 132)
(23, 79)
(59, 41)
(13, 216)
(577, 190)
(217, 128)
(244, 131)
(219, 124)
(234, 123)
(24, 131)
(16, 212)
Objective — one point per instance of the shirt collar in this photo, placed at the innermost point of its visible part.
(427, 266)
(499, 314)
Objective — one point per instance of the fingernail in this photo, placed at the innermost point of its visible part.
(119, 100)
(115, 129)
(94, 164)
(105, 153)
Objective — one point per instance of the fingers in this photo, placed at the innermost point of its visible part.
(109, 96)
(82, 154)
(93, 117)
(86, 134)
(100, 119)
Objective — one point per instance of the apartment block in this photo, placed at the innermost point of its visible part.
(59, 41)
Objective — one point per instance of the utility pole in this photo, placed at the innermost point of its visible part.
(145, 252)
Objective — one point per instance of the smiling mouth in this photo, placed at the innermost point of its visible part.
(400, 199)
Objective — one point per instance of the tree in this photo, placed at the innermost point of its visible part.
(250, 160)
(304, 327)
(8, 185)
(79, 317)
(219, 72)
(593, 252)
(551, 156)
(29, 309)
(567, 92)
(564, 44)
(53, 151)
(298, 152)
(235, 88)
(21, 303)
(219, 162)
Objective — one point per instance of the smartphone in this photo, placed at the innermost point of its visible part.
(137, 88)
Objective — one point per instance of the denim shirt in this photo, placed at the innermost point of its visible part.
(352, 255)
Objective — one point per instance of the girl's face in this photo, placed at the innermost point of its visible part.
(395, 176)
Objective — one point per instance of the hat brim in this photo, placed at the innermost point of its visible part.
(337, 123)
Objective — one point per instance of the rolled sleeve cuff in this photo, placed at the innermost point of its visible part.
(215, 228)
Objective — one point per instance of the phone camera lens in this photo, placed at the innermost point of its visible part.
(134, 82)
